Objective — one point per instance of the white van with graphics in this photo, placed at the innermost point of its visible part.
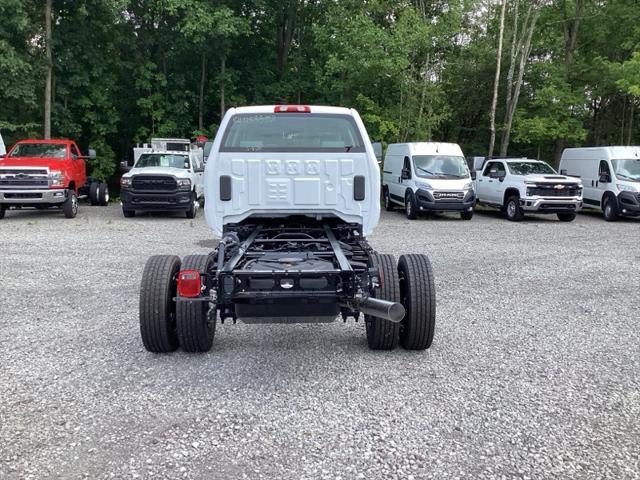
(610, 176)
(427, 177)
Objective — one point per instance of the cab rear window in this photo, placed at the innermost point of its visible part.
(292, 132)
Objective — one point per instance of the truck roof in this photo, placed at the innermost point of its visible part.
(59, 141)
(312, 109)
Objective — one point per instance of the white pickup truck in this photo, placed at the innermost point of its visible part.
(519, 185)
(167, 176)
(292, 190)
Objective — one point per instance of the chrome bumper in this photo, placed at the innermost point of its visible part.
(555, 204)
(32, 197)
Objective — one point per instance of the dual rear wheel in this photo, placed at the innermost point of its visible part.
(166, 324)
(410, 283)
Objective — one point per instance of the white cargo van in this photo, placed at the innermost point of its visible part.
(427, 177)
(610, 176)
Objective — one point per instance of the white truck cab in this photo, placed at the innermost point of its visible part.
(427, 177)
(271, 162)
(166, 176)
(519, 185)
(610, 175)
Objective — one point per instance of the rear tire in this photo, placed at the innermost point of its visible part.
(157, 307)
(566, 217)
(94, 193)
(383, 334)
(193, 211)
(410, 207)
(418, 295)
(466, 215)
(3, 209)
(128, 213)
(195, 321)
(103, 195)
(610, 210)
(70, 205)
(388, 206)
(513, 210)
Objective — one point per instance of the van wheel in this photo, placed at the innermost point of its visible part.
(157, 307)
(566, 217)
(513, 210)
(103, 194)
(195, 321)
(410, 206)
(610, 210)
(70, 205)
(2, 210)
(418, 295)
(388, 206)
(383, 334)
(466, 215)
(192, 212)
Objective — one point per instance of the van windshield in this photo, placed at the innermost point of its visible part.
(627, 169)
(162, 160)
(530, 168)
(440, 166)
(291, 132)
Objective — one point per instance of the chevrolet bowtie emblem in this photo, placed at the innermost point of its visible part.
(559, 187)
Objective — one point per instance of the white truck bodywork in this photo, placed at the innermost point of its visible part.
(3, 149)
(285, 183)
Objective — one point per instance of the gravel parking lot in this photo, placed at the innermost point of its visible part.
(534, 371)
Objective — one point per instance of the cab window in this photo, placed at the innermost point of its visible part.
(497, 166)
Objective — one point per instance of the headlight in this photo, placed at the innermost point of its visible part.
(424, 186)
(56, 179)
(467, 186)
(125, 182)
(184, 184)
(625, 188)
(529, 190)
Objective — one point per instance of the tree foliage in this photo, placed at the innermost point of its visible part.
(125, 70)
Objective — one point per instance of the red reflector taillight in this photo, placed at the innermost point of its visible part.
(292, 109)
(189, 284)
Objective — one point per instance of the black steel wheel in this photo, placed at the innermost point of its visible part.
(103, 194)
(418, 295)
(383, 334)
(410, 207)
(157, 305)
(195, 321)
(94, 193)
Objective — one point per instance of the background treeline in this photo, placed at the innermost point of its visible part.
(123, 70)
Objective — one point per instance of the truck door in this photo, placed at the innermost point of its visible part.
(488, 184)
(78, 167)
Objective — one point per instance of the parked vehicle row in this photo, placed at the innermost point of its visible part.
(424, 177)
(48, 173)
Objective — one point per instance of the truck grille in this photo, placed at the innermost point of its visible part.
(23, 178)
(456, 196)
(156, 183)
(554, 190)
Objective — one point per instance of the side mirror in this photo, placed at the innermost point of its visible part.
(377, 150)
(604, 178)
(473, 175)
(92, 154)
(406, 174)
(186, 165)
(563, 171)
(124, 166)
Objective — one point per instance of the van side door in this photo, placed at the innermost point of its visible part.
(604, 181)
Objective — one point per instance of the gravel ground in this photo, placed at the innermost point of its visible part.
(534, 371)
